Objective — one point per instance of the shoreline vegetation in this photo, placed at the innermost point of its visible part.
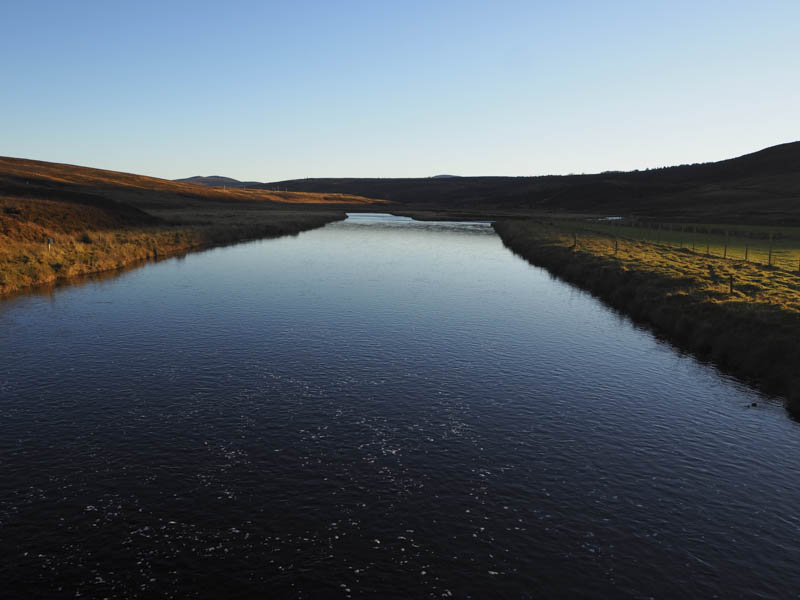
(75, 254)
(743, 316)
(59, 222)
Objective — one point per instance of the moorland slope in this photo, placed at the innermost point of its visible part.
(59, 221)
(762, 187)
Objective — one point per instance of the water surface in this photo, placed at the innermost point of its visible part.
(378, 408)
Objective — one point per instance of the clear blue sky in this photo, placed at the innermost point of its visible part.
(268, 91)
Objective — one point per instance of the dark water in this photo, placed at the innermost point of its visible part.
(380, 408)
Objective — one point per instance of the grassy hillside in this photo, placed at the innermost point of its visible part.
(762, 187)
(30, 178)
(59, 221)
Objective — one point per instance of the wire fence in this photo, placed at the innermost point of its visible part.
(772, 247)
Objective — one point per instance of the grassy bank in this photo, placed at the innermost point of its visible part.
(750, 331)
(87, 243)
(62, 221)
(768, 245)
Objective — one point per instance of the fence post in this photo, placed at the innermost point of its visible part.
(725, 251)
(616, 246)
(746, 249)
(770, 250)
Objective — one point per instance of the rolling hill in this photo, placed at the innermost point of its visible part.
(763, 186)
(59, 221)
(84, 185)
(218, 181)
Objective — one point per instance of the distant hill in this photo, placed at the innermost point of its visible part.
(219, 181)
(762, 186)
(212, 181)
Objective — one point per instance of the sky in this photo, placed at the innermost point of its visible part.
(269, 91)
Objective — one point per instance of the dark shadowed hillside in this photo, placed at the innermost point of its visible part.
(763, 186)
(212, 181)
(218, 181)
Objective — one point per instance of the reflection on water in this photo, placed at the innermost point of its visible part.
(379, 408)
(48, 289)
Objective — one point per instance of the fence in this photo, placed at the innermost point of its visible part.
(769, 246)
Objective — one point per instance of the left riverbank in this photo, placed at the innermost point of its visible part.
(61, 255)
(62, 221)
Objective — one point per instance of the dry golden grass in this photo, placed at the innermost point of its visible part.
(128, 187)
(767, 245)
(101, 220)
(88, 243)
(692, 271)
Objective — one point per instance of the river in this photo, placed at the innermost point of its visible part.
(378, 408)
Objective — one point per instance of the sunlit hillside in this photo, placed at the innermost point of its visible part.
(61, 220)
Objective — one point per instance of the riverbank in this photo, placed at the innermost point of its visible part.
(33, 254)
(62, 221)
(749, 330)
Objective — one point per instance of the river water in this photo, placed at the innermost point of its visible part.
(378, 408)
